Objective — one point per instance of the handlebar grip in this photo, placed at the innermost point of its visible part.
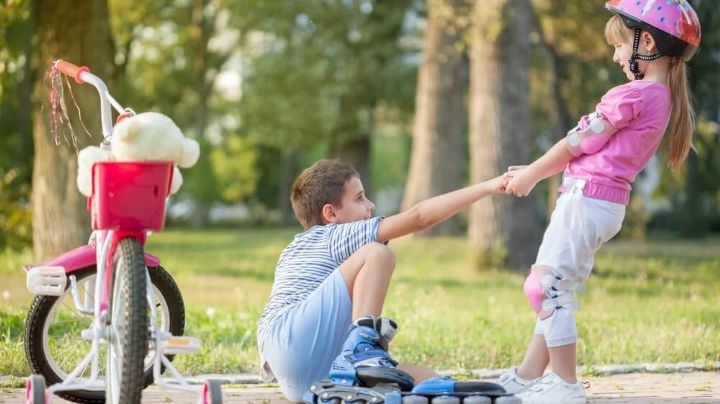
(71, 70)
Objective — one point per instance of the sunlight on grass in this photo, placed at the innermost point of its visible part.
(645, 302)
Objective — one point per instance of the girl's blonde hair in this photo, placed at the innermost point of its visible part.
(682, 117)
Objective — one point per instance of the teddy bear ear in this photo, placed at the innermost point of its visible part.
(190, 153)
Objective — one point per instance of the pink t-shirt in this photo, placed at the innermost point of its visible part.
(640, 111)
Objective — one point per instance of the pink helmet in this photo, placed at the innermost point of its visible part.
(672, 23)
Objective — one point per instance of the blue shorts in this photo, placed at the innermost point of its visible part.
(303, 343)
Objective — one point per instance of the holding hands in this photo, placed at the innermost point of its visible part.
(519, 181)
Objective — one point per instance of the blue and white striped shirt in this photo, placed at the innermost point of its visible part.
(307, 261)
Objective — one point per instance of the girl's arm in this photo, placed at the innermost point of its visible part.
(437, 209)
(552, 162)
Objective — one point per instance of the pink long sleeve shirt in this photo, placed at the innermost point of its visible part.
(640, 111)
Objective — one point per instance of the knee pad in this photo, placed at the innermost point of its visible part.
(547, 292)
(533, 290)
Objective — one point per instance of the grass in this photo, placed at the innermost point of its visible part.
(645, 302)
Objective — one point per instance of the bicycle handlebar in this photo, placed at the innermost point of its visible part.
(71, 70)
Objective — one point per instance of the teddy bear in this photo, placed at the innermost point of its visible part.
(149, 136)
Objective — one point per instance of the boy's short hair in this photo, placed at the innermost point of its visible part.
(321, 183)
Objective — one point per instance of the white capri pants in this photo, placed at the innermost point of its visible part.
(578, 227)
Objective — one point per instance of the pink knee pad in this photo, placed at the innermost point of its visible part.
(533, 290)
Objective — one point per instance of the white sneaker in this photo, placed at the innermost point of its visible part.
(551, 389)
(512, 383)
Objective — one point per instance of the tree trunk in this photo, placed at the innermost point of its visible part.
(77, 32)
(559, 113)
(439, 135)
(500, 130)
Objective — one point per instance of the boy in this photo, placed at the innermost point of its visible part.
(335, 276)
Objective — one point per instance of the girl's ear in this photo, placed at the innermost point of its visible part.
(648, 42)
(328, 214)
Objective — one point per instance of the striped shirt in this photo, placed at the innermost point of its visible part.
(307, 261)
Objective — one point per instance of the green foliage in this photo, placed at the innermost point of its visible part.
(317, 71)
(235, 170)
(645, 302)
(15, 214)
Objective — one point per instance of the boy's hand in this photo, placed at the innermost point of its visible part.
(521, 181)
(497, 184)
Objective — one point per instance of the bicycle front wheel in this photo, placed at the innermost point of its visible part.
(128, 325)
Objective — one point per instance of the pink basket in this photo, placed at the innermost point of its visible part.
(130, 196)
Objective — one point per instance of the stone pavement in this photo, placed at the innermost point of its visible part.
(681, 387)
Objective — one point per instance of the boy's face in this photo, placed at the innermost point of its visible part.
(355, 205)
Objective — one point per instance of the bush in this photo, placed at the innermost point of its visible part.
(15, 212)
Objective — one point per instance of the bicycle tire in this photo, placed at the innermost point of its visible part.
(128, 325)
(41, 316)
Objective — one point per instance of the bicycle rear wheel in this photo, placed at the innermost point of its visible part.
(128, 325)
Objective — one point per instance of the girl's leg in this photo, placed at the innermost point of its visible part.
(563, 360)
(536, 358)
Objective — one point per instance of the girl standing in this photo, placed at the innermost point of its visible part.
(601, 157)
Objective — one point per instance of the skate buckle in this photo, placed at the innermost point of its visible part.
(46, 280)
(180, 345)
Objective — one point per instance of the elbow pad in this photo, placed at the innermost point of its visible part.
(592, 137)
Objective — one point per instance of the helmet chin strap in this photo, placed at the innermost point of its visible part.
(634, 65)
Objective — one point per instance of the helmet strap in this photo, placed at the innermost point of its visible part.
(634, 65)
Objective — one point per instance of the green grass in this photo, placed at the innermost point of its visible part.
(645, 302)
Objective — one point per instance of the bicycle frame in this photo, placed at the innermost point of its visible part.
(101, 255)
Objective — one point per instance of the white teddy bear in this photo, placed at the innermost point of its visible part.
(149, 136)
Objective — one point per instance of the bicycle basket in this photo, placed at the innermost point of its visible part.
(129, 195)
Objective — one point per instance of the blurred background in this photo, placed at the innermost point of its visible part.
(420, 96)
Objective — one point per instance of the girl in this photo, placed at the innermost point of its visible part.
(601, 157)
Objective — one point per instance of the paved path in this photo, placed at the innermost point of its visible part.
(687, 387)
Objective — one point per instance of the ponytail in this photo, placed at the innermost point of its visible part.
(682, 117)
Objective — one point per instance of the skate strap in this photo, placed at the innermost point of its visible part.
(387, 328)
(367, 355)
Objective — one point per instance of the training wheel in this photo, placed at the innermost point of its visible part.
(212, 392)
(35, 392)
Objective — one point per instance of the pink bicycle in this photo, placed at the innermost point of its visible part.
(108, 319)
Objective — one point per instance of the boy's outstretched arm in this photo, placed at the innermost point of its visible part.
(552, 162)
(437, 209)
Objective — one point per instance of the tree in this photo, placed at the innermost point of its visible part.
(316, 74)
(500, 129)
(78, 32)
(16, 32)
(438, 154)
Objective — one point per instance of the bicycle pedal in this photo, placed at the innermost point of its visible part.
(47, 280)
(180, 345)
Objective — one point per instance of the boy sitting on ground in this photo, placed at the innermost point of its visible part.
(332, 279)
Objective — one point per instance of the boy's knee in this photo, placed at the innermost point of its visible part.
(381, 252)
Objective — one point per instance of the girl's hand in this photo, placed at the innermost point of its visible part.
(521, 181)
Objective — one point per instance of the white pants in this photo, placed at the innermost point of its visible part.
(578, 227)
